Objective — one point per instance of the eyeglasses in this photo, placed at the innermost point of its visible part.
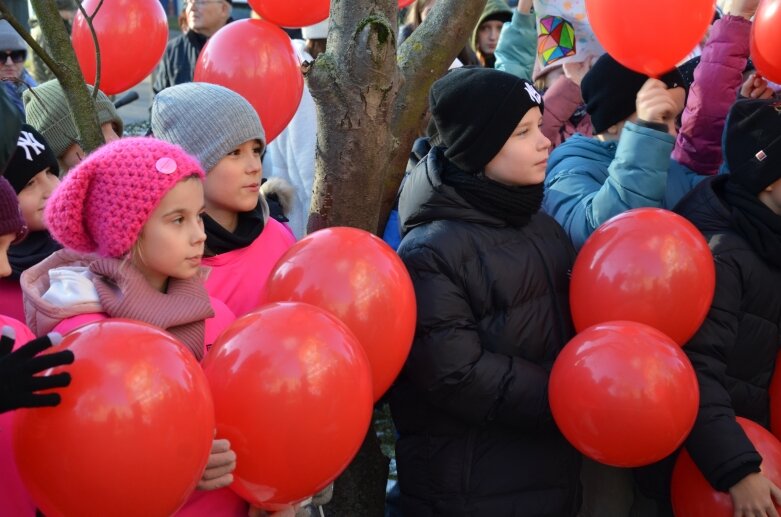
(17, 56)
(201, 3)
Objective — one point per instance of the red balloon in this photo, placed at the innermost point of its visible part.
(360, 279)
(623, 394)
(132, 35)
(629, 31)
(405, 3)
(646, 265)
(766, 40)
(132, 434)
(255, 59)
(693, 496)
(292, 14)
(292, 393)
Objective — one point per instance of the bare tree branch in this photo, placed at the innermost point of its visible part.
(89, 21)
(68, 72)
(423, 58)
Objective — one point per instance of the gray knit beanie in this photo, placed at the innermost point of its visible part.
(207, 120)
(9, 38)
(47, 111)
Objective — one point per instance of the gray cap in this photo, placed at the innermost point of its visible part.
(206, 120)
(9, 38)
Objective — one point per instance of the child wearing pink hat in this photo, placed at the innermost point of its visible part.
(130, 220)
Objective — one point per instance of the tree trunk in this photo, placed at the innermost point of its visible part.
(65, 67)
(370, 102)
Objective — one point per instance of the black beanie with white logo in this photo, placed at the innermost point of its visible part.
(475, 111)
(33, 154)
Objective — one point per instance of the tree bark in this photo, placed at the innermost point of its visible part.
(370, 102)
(65, 67)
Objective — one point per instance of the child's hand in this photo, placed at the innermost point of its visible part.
(655, 103)
(525, 6)
(19, 384)
(754, 495)
(744, 8)
(289, 511)
(756, 87)
(576, 71)
(219, 468)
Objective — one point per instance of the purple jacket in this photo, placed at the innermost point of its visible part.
(717, 80)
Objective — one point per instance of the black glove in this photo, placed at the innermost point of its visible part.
(18, 383)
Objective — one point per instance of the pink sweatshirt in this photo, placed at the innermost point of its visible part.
(14, 499)
(239, 277)
(11, 299)
(223, 502)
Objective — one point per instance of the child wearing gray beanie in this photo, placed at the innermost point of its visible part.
(49, 113)
(179, 113)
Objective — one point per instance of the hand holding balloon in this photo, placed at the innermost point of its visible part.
(18, 383)
(655, 103)
(754, 495)
(219, 468)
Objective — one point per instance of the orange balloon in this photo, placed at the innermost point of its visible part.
(255, 59)
(132, 35)
(132, 434)
(623, 394)
(766, 40)
(292, 14)
(693, 496)
(292, 393)
(360, 279)
(646, 265)
(629, 31)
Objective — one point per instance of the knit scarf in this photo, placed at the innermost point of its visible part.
(181, 310)
(32, 250)
(512, 204)
(759, 225)
(219, 240)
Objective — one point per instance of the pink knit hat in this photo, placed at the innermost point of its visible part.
(103, 203)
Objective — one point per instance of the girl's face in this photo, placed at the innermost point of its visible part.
(32, 198)
(488, 36)
(524, 157)
(171, 242)
(233, 185)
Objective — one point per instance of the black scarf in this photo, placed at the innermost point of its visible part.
(219, 240)
(759, 225)
(32, 250)
(512, 204)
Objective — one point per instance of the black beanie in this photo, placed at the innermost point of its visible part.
(752, 143)
(33, 154)
(475, 110)
(610, 91)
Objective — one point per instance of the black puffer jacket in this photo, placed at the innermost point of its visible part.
(734, 352)
(471, 405)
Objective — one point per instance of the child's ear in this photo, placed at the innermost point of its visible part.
(612, 130)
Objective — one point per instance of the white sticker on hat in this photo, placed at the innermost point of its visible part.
(166, 165)
(534, 95)
(28, 142)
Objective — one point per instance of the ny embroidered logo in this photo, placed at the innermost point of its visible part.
(28, 142)
(534, 95)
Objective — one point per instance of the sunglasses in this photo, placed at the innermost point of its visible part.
(17, 56)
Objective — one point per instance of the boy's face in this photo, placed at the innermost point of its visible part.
(32, 198)
(524, 157)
